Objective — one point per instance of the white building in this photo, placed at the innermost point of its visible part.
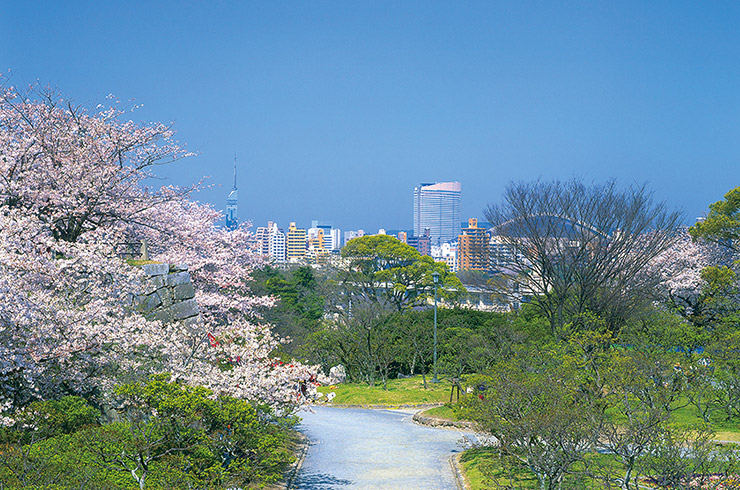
(335, 238)
(446, 252)
(262, 237)
(349, 235)
(276, 244)
(502, 254)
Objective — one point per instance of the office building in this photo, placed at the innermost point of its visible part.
(332, 236)
(503, 254)
(262, 237)
(276, 243)
(472, 247)
(437, 207)
(296, 243)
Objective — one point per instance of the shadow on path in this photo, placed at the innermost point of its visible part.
(320, 481)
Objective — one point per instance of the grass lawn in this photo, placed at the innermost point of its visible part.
(687, 416)
(400, 392)
(474, 460)
(484, 470)
(443, 412)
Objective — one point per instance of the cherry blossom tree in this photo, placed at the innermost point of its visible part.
(73, 184)
(685, 274)
(678, 270)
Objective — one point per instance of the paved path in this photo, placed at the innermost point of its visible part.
(374, 449)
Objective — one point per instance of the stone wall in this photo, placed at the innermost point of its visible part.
(169, 295)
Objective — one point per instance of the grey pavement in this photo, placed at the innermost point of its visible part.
(374, 449)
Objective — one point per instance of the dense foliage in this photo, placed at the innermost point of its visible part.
(74, 185)
(167, 435)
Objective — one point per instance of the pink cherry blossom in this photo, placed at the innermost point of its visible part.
(73, 185)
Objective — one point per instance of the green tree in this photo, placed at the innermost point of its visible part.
(300, 302)
(689, 458)
(722, 223)
(643, 387)
(222, 441)
(382, 268)
(532, 406)
(417, 346)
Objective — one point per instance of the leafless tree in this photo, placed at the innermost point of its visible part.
(577, 248)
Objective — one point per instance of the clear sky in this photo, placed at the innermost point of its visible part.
(337, 109)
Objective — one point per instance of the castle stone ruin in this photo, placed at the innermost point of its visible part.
(169, 295)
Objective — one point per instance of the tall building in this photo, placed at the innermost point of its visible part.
(437, 207)
(316, 239)
(472, 247)
(296, 248)
(276, 243)
(335, 237)
(232, 221)
(503, 254)
(262, 237)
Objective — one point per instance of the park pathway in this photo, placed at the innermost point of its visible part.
(374, 450)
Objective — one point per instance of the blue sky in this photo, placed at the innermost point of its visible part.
(337, 109)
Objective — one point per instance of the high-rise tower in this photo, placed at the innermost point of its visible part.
(472, 247)
(232, 221)
(437, 207)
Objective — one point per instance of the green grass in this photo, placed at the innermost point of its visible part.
(443, 412)
(138, 262)
(483, 470)
(409, 391)
(688, 416)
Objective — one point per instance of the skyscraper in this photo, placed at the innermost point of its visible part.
(437, 207)
(232, 221)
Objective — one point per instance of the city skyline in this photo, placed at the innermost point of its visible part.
(336, 111)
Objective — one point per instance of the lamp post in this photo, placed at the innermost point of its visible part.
(435, 278)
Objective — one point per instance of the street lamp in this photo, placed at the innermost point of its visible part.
(435, 278)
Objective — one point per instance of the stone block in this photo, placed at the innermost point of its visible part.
(185, 309)
(164, 315)
(177, 278)
(152, 301)
(147, 302)
(193, 324)
(166, 294)
(138, 301)
(183, 291)
(156, 282)
(155, 269)
(178, 268)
